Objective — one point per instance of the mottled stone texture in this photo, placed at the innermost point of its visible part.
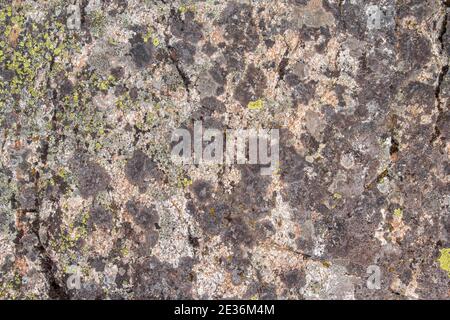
(91, 90)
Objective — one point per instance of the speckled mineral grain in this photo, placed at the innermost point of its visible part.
(92, 205)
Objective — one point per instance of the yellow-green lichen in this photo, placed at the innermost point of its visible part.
(124, 102)
(185, 8)
(71, 235)
(256, 105)
(147, 35)
(444, 260)
(184, 183)
(182, 9)
(337, 196)
(26, 51)
(124, 251)
(97, 21)
(104, 84)
(398, 213)
(98, 146)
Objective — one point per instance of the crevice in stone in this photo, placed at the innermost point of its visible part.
(181, 73)
(282, 66)
(83, 4)
(174, 59)
(379, 178)
(393, 150)
(55, 290)
(440, 115)
(5, 137)
(340, 3)
(137, 132)
(440, 80)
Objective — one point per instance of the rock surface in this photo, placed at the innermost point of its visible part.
(93, 207)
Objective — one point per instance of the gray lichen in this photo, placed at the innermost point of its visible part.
(91, 92)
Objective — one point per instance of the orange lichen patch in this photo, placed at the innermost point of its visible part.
(328, 97)
(20, 226)
(314, 15)
(394, 156)
(16, 3)
(216, 36)
(14, 35)
(21, 265)
(17, 144)
(398, 227)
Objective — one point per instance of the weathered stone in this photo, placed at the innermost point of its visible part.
(91, 93)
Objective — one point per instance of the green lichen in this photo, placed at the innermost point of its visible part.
(72, 233)
(398, 213)
(256, 105)
(184, 183)
(185, 8)
(104, 84)
(182, 9)
(97, 21)
(124, 251)
(124, 102)
(147, 35)
(98, 146)
(444, 260)
(337, 196)
(26, 51)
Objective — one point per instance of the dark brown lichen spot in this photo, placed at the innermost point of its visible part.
(292, 173)
(65, 88)
(236, 265)
(419, 9)
(187, 29)
(251, 193)
(117, 72)
(261, 290)
(349, 234)
(142, 52)
(301, 91)
(183, 51)
(202, 190)
(218, 74)
(97, 263)
(100, 217)
(209, 49)
(122, 277)
(420, 93)
(233, 60)
(209, 216)
(153, 279)
(237, 232)
(212, 104)
(28, 198)
(415, 49)
(352, 19)
(208, 212)
(140, 170)
(120, 90)
(240, 27)
(252, 86)
(144, 216)
(264, 230)
(299, 2)
(295, 278)
(91, 177)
